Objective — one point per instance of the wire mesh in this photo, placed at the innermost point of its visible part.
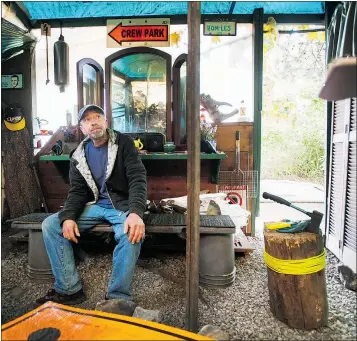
(230, 180)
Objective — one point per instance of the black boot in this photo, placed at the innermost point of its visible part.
(54, 296)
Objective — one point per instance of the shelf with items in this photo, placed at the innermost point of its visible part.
(171, 164)
(149, 156)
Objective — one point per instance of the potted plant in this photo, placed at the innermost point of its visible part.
(208, 137)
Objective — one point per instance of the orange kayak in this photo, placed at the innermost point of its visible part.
(53, 321)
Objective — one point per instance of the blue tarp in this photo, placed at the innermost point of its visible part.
(98, 9)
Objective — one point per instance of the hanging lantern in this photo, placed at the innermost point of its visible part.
(61, 60)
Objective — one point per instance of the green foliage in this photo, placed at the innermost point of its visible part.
(208, 131)
(293, 147)
(294, 123)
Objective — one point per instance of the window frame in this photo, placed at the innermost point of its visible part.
(139, 50)
(99, 78)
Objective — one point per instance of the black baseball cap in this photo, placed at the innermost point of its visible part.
(87, 108)
(14, 118)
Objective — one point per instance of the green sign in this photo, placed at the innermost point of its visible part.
(219, 28)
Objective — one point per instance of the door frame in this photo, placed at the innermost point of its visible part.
(176, 96)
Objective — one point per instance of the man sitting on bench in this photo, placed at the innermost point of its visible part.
(108, 184)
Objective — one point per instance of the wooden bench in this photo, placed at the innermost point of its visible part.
(214, 230)
(154, 223)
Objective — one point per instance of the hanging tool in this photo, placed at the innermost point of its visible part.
(312, 226)
(230, 180)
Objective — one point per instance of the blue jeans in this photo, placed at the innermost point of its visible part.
(60, 252)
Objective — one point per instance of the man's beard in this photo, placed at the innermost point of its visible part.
(97, 135)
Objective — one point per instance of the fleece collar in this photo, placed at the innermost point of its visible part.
(82, 166)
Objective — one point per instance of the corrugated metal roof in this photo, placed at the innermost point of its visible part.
(14, 39)
(100, 9)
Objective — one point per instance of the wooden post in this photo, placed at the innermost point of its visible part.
(258, 24)
(300, 301)
(193, 164)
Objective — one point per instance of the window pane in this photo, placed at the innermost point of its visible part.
(90, 91)
(226, 71)
(227, 75)
(139, 93)
(183, 78)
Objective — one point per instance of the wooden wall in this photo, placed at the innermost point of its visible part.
(23, 97)
(55, 184)
(166, 178)
(226, 142)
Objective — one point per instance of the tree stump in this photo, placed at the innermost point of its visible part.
(300, 301)
(21, 191)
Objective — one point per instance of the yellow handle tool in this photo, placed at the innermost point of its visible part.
(277, 225)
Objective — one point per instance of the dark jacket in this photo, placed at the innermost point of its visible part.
(125, 179)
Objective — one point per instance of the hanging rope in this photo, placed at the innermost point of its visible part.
(305, 266)
(61, 28)
(46, 30)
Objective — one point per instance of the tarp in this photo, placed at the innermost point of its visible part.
(98, 9)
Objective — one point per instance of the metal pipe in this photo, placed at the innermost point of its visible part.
(193, 164)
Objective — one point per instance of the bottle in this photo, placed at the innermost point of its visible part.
(242, 109)
(68, 118)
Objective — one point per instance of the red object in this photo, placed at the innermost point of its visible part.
(122, 33)
(232, 199)
(39, 144)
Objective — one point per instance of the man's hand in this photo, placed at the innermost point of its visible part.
(70, 230)
(136, 227)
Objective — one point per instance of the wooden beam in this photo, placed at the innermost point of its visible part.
(329, 11)
(193, 164)
(182, 19)
(174, 20)
(258, 23)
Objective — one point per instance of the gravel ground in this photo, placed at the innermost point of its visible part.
(242, 310)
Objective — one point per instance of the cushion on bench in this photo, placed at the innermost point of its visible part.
(154, 223)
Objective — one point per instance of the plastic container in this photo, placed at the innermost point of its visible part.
(242, 109)
(68, 118)
(39, 266)
(216, 264)
(169, 147)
